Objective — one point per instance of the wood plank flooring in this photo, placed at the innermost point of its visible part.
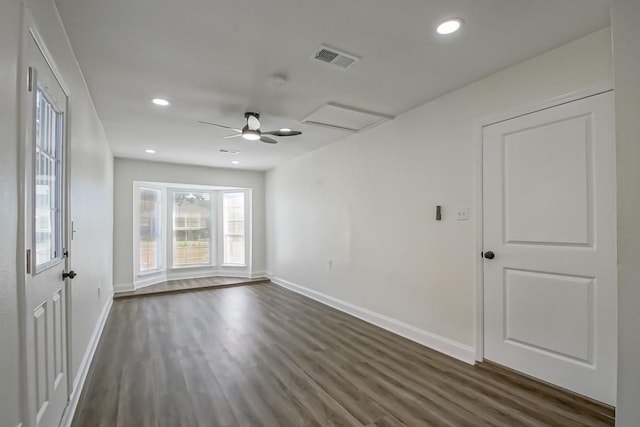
(265, 356)
(173, 286)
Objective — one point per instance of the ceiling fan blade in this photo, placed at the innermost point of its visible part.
(220, 126)
(232, 136)
(283, 133)
(268, 140)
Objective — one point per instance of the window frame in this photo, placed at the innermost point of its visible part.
(247, 227)
(59, 188)
(161, 268)
(166, 270)
(213, 228)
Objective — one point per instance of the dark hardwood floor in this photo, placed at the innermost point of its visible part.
(264, 356)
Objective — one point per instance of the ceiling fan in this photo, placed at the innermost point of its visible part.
(251, 131)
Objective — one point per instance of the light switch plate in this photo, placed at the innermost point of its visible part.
(462, 214)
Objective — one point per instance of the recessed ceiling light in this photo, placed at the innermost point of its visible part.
(150, 151)
(160, 101)
(235, 162)
(450, 25)
(285, 130)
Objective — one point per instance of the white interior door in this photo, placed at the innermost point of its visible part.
(45, 189)
(550, 297)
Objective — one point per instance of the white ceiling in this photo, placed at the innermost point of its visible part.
(213, 59)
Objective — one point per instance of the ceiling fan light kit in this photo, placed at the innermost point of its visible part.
(250, 134)
(251, 130)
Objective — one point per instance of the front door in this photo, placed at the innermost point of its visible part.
(45, 196)
(549, 202)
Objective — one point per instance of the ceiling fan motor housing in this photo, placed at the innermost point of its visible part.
(251, 130)
(253, 121)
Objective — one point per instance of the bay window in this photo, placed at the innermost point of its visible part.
(189, 231)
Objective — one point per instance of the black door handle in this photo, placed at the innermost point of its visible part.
(489, 255)
(72, 274)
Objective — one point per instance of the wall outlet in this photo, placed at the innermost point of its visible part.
(330, 263)
(462, 214)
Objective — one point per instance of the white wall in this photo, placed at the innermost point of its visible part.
(91, 196)
(368, 201)
(626, 65)
(10, 18)
(127, 171)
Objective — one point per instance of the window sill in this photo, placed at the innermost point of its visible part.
(187, 267)
(150, 272)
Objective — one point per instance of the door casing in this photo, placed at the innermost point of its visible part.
(478, 196)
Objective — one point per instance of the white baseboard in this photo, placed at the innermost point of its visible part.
(444, 345)
(257, 274)
(184, 274)
(123, 287)
(178, 274)
(148, 280)
(243, 274)
(200, 273)
(83, 370)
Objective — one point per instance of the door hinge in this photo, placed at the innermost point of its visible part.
(28, 261)
(30, 79)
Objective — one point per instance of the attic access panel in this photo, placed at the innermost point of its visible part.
(344, 118)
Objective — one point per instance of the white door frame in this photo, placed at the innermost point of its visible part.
(29, 30)
(478, 196)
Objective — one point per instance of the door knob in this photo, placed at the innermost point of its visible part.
(489, 255)
(70, 275)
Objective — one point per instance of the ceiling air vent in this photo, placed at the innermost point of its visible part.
(335, 57)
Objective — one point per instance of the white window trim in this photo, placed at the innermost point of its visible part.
(166, 270)
(159, 274)
(59, 243)
(213, 224)
(247, 228)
